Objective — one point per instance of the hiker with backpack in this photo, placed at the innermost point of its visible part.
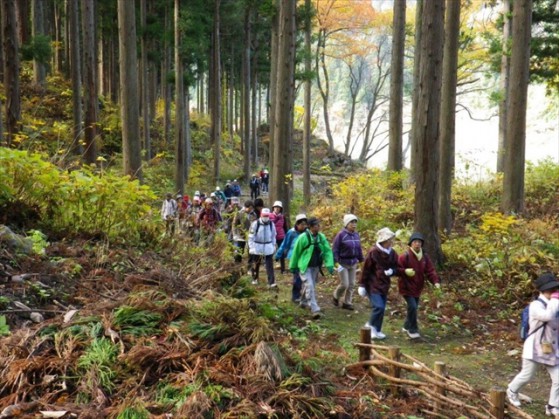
(380, 265)
(262, 244)
(286, 249)
(416, 267)
(169, 210)
(540, 344)
(242, 221)
(277, 217)
(254, 185)
(347, 254)
(311, 252)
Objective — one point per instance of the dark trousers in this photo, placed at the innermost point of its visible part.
(411, 318)
(296, 289)
(239, 250)
(282, 259)
(256, 260)
(378, 302)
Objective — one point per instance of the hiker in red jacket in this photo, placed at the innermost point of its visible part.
(414, 267)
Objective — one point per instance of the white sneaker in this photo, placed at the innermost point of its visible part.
(381, 335)
(514, 400)
(550, 410)
(412, 335)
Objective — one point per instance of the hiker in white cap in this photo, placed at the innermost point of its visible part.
(277, 217)
(262, 244)
(347, 254)
(380, 265)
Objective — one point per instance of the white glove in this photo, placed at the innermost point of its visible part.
(389, 272)
(362, 291)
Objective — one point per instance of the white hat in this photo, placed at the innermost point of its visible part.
(265, 170)
(384, 234)
(197, 193)
(217, 188)
(209, 201)
(278, 204)
(265, 212)
(212, 194)
(348, 218)
(300, 217)
(196, 199)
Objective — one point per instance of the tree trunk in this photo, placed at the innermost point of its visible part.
(129, 101)
(426, 131)
(180, 155)
(59, 62)
(216, 101)
(245, 106)
(504, 84)
(397, 86)
(273, 81)
(76, 74)
(11, 69)
(90, 81)
(515, 144)
(280, 187)
(38, 30)
(324, 85)
(165, 85)
(307, 106)
(145, 83)
(23, 11)
(416, 80)
(448, 113)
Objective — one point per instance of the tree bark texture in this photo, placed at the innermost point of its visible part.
(11, 69)
(145, 83)
(245, 105)
(448, 113)
(503, 84)
(38, 30)
(76, 74)
(180, 154)
(415, 93)
(129, 95)
(397, 86)
(307, 106)
(90, 81)
(515, 144)
(426, 131)
(281, 170)
(216, 102)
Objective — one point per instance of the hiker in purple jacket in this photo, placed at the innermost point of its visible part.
(347, 254)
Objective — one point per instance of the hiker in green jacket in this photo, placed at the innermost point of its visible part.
(311, 251)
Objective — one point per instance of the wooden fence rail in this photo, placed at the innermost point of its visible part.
(449, 397)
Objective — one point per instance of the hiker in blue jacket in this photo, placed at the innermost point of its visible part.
(541, 346)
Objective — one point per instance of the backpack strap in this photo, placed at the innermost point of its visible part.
(541, 325)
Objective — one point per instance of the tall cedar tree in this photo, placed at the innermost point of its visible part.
(448, 113)
(426, 126)
(515, 140)
(397, 86)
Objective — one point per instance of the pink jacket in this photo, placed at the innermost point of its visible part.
(279, 222)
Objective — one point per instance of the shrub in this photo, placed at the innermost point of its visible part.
(79, 202)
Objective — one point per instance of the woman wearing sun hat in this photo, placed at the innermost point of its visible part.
(541, 346)
(347, 254)
(277, 217)
(380, 264)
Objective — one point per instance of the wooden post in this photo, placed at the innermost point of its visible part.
(365, 337)
(394, 371)
(440, 368)
(497, 399)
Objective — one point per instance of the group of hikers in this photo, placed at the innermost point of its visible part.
(265, 233)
